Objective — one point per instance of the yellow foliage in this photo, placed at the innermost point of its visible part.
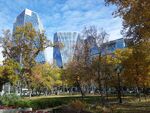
(46, 75)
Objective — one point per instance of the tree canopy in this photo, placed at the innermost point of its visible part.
(136, 18)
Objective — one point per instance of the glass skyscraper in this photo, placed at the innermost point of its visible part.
(28, 16)
(106, 48)
(62, 56)
(111, 46)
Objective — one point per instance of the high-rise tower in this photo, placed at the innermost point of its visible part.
(62, 56)
(28, 16)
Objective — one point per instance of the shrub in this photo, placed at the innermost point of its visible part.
(23, 103)
(45, 103)
(13, 100)
(78, 105)
(9, 99)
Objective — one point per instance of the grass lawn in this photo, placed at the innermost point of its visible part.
(43, 102)
(130, 103)
(135, 106)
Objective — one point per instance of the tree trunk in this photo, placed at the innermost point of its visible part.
(106, 87)
(102, 100)
(46, 91)
(138, 93)
(119, 89)
(21, 90)
(100, 81)
(30, 92)
(137, 88)
(81, 91)
(144, 91)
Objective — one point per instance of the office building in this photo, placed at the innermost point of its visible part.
(111, 46)
(28, 16)
(62, 56)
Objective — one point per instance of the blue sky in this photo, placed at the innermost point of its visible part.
(63, 15)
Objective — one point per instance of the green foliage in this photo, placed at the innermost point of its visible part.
(46, 75)
(23, 103)
(8, 72)
(20, 50)
(39, 103)
(9, 99)
(13, 100)
(43, 103)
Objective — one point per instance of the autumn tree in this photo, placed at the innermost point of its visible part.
(136, 70)
(23, 46)
(47, 76)
(135, 16)
(97, 38)
(8, 73)
(78, 74)
(118, 57)
(106, 70)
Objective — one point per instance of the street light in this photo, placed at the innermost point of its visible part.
(118, 70)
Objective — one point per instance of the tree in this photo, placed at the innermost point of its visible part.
(8, 72)
(47, 77)
(136, 15)
(118, 57)
(77, 73)
(135, 68)
(106, 72)
(23, 47)
(99, 38)
(136, 24)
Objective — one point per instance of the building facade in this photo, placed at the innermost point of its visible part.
(91, 49)
(28, 16)
(61, 56)
(78, 53)
(111, 46)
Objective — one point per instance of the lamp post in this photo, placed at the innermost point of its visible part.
(118, 70)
